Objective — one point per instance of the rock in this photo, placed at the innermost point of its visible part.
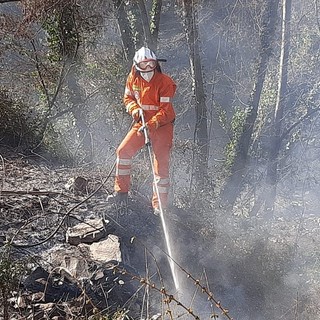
(80, 184)
(76, 260)
(88, 232)
(2, 240)
(43, 310)
(111, 288)
(51, 285)
(75, 265)
(104, 250)
(77, 184)
(71, 258)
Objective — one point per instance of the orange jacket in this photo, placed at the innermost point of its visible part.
(154, 97)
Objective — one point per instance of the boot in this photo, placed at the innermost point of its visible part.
(118, 198)
(156, 211)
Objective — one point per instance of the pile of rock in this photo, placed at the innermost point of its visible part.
(86, 276)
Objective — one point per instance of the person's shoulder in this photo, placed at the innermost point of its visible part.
(166, 77)
(133, 77)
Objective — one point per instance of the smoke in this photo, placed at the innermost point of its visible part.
(253, 267)
(259, 267)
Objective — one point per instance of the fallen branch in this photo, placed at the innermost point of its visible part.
(33, 193)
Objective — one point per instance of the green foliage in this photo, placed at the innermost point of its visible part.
(18, 123)
(153, 13)
(51, 25)
(132, 17)
(236, 129)
(63, 38)
(25, 128)
(267, 102)
(112, 73)
(11, 271)
(54, 146)
(223, 120)
(304, 57)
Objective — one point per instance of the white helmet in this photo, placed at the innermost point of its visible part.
(145, 60)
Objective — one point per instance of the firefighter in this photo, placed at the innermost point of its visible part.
(150, 91)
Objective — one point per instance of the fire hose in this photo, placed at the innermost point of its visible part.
(144, 129)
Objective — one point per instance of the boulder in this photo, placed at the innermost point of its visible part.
(104, 250)
(88, 231)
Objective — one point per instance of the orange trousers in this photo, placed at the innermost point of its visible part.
(161, 143)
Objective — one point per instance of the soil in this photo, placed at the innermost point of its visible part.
(262, 267)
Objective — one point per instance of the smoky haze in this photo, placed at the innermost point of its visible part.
(259, 265)
(262, 266)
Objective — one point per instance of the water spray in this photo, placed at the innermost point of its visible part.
(164, 226)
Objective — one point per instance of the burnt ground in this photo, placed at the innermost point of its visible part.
(39, 202)
(258, 267)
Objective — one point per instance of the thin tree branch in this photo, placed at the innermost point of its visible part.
(4, 1)
(307, 115)
(317, 14)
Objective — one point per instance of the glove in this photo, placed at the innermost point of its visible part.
(142, 128)
(136, 114)
(152, 124)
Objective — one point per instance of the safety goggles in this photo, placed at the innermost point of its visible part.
(147, 63)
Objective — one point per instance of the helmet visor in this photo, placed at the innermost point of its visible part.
(143, 65)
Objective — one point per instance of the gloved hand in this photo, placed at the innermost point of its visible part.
(142, 128)
(152, 124)
(136, 114)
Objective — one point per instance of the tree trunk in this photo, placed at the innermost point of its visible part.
(146, 36)
(275, 145)
(201, 126)
(70, 42)
(239, 168)
(5, 304)
(125, 29)
(76, 99)
(137, 21)
(142, 29)
(154, 23)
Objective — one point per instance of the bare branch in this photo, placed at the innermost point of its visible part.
(306, 116)
(4, 1)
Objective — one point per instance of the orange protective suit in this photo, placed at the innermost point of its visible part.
(155, 99)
